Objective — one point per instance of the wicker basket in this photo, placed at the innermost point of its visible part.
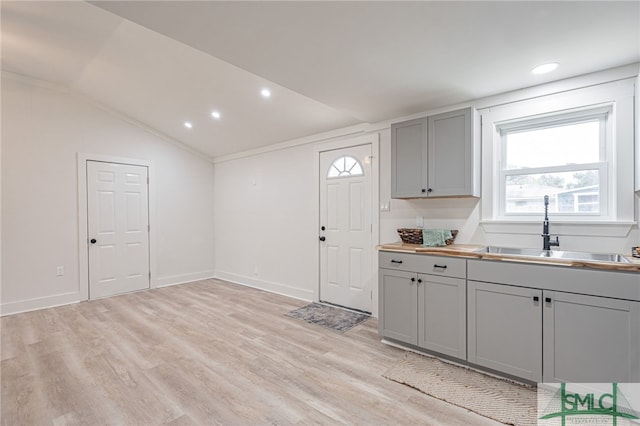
(414, 235)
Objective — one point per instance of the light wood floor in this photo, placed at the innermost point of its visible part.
(208, 352)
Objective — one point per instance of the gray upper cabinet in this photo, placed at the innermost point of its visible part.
(409, 159)
(436, 156)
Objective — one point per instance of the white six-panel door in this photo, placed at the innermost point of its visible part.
(118, 228)
(346, 240)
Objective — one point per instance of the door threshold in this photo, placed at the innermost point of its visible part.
(346, 308)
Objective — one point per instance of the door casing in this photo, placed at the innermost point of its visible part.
(83, 249)
(374, 140)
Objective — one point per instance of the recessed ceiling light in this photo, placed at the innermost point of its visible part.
(545, 68)
(188, 124)
(265, 93)
(215, 114)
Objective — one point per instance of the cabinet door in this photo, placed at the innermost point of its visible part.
(590, 339)
(452, 154)
(409, 159)
(398, 305)
(442, 318)
(505, 329)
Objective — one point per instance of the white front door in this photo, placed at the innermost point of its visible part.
(345, 227)
(118, 228)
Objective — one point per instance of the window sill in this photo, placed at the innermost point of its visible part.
(585, 229)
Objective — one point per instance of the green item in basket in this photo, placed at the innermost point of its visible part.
(435, 237)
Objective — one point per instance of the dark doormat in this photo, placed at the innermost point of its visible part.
(329, 317)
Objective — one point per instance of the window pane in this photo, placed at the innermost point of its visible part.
(345, 167)
(569, 192)
(553, 146)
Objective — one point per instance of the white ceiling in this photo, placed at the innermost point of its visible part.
(328, 64)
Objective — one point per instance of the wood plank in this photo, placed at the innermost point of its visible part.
(208, 352)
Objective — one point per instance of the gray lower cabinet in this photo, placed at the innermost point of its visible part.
(423, 302)
(442, 315)
(590, 339)
(551, 336)
(505, 329)
(534, 322)
(398, 305)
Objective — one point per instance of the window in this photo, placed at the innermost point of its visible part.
(564, 156)
(345, 167)
(571, 141)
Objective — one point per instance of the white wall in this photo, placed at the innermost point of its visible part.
(265, 221)
(264, 217)
(43, 129)
(271, 225)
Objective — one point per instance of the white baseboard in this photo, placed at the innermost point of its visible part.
(183, 278)
(278, 288)
(39, 303)
(75, 297)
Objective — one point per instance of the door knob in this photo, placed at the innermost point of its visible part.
(322, 238)
(93, 241)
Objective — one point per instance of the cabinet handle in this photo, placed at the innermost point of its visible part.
(547, 299)
(440, 266)
(396, 261)
(424, 190)
(413, 280)
(429, 190)
(536, 298)
(419, 280)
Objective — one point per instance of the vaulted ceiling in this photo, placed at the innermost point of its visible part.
(328, 64)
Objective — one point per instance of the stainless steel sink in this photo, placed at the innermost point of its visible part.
(593, 257)
(511, 251)
(555, 254)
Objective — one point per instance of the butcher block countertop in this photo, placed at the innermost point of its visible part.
(468, 251)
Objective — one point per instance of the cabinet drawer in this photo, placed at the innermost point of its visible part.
(425, 264)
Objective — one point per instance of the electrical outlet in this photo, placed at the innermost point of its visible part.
(385, 207)
(59, 271)
(419, 222)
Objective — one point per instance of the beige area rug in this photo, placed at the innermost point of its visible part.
(498, 399)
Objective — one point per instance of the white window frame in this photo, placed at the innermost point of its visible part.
(600, 113)
(620, 217)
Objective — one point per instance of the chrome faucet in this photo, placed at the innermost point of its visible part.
(546, 238)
